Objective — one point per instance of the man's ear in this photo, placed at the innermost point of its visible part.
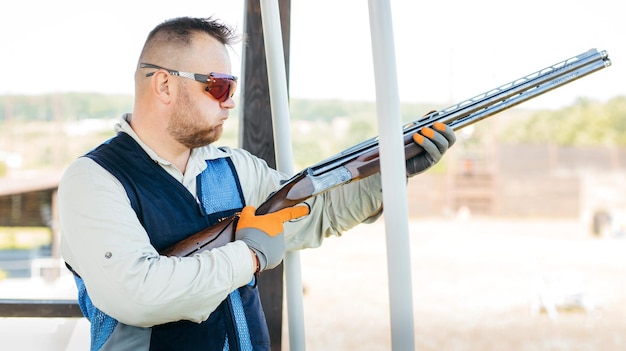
(161, 86)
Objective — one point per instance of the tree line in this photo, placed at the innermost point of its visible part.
(585, 122)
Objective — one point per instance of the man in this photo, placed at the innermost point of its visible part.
(162, 179)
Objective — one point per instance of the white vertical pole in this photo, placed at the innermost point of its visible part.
(277, 78)
(392, 165)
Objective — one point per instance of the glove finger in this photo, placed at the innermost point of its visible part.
(446, 131)
(289, 213)
(274, 221)
(246, 217)
(431, 149)
(437, 138)
(247, 211)
(271, 223)
(423, 161)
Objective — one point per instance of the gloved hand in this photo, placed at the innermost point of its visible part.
(264, 234)
(435, 142)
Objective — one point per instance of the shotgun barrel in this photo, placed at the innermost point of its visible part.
(487, 104)
(362, 160)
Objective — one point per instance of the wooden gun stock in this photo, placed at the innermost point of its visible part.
(362, 160)
(224, 231)
(214, 236)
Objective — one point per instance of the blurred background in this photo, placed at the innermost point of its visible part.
(516, 235)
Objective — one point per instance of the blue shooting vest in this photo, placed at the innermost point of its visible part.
(169, 213)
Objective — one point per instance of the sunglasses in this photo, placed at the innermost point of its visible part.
(221, 86)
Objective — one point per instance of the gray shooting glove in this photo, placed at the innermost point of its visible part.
(435, 141)
(264, 234)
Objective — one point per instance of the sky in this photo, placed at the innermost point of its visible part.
(446, 51)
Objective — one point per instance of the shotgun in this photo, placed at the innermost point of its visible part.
(362, 160)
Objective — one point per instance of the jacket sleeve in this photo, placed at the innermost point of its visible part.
(332, 212)
(336, 211)
(104, 242)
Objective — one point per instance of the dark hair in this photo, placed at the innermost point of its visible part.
(179, 32)
(181, 28)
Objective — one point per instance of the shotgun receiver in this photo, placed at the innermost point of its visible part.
(362, 160)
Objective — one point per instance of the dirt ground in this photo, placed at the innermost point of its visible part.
(473, 286)
(472, 289)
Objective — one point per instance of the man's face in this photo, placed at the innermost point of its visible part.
(197, 117)
(190, 125)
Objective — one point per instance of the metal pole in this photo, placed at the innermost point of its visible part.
(392, 166)
(279, 103)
